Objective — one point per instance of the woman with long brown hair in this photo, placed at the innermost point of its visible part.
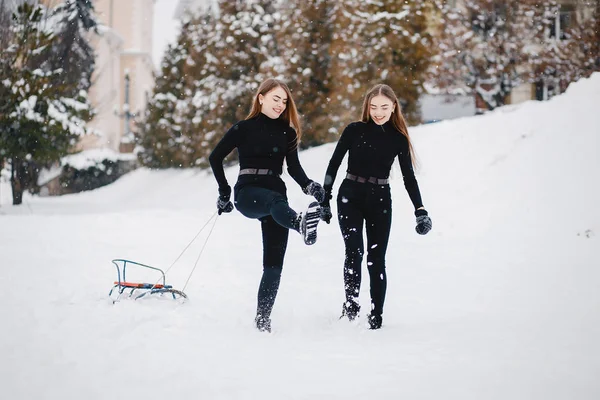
(364, 198)
(268, 136)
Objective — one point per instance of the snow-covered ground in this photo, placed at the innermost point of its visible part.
(500, 301)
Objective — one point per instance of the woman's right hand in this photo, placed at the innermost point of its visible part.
(224, 205)
(326, 212)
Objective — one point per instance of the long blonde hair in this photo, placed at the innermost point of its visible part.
(289, 115)
(397, 118)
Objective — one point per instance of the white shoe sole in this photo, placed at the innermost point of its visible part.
(310, 220)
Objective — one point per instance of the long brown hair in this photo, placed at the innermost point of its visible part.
(397, 118)
(289, 115)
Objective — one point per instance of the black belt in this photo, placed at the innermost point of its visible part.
(257, 171)
(371, 179)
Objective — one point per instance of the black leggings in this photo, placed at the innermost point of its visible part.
(276, 218)
(371, 205)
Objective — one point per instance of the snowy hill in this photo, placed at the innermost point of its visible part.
(499, 301)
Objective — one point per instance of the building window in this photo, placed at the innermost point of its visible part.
(563, 20)
(546, 89)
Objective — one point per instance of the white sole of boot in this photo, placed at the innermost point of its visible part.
(310, 220)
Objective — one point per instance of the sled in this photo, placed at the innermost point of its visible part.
(140, 288)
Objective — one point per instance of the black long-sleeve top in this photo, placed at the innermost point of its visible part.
(264, 143)
(372, 149)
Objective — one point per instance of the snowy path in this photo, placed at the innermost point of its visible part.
(500, 301)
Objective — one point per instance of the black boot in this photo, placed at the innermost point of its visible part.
(267, 292)
(350, 310)
(263, 324)
(375, 321)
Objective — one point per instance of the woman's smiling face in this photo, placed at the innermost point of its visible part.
(380, 109)
(273, 103)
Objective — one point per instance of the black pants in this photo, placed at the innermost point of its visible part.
(368, 205)
(276, 218)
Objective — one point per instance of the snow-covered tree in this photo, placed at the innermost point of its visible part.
(305, 43)
(73, 53)
(592, 37)
(40, 116)
(338, 50)
(488, 47)
(566, 52)
(379, 42)
(163, 138)
(329, 52)
(481, 47)
(397, 49)
(208, 81)
(227, 63)
(347, 62)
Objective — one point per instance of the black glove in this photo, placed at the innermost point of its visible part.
(225, 192)
(326, 212)
(316, 190)
(423, 222)
(224, 205)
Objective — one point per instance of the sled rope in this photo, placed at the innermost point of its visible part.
(193, 240)
(188, 245)
(201, 251)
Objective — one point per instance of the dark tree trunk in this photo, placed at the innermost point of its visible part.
(16, 181)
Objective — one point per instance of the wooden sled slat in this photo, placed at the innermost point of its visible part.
(143, 285)
(146, 288)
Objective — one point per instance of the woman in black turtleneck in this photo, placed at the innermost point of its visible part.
(364, 196)
(267, 137)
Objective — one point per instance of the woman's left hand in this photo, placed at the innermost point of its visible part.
(423, 222)
(316, 190)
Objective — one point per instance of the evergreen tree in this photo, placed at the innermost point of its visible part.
(397, 50)
(305, 43)
(163, 140)
(348, 47)
(380, 42)
(330, 53)
(202, 70)
(227, 65)
(347, 61)
(73, 52)
(40, 119)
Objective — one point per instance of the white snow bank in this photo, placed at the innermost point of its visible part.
(89, 158)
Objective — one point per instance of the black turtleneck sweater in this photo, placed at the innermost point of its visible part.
(372, 149)
(264, 143)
